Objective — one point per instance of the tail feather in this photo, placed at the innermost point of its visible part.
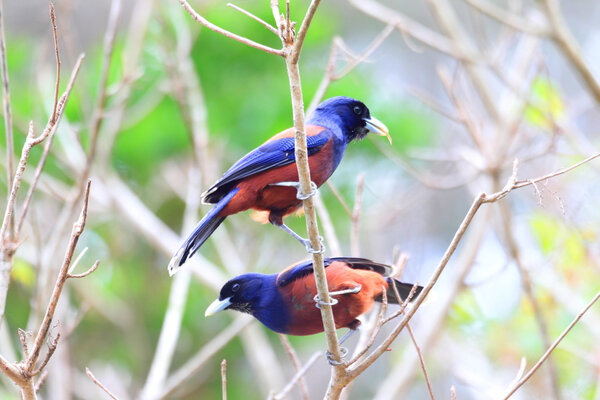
(201, 232)
(404, 290)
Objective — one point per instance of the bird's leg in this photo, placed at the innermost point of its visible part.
(299, 238)
(354, 325)
(353, 290)
(299, 195)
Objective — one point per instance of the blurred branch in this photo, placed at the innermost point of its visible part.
(506, 220)
(537, 365)
(299, 375)
(224, 378)
(100, 385)
(331, 75)
(296, 363)
(8, 128)
(193, 365)
(422, 362)
(563, 36)
(408, 26)
(510, 19)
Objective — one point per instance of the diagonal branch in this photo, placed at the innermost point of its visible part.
(228, 34)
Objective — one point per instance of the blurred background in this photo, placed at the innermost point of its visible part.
(463, 94)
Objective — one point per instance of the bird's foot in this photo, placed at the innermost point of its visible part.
(332, 361)
(303, 241)
(313, 189)
(333, 301)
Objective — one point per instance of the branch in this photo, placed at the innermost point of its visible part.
(100, 385)
(60, 281)
(310, 13)
(299, 375)
(54, 31)
(296, 363)
(254, 17)
(551, 348)
(570, 47)
(509, 19)
(228, 34)
(8, 129)
(47, 145)
(412, 337)
(224, 378)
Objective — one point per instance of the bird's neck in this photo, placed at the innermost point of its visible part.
(333, 123)
(270, 309)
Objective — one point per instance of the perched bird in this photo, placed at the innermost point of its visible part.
(285, 302)
(266, 179)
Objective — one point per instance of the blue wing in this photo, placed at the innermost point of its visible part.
(273, 154)
(304, 268)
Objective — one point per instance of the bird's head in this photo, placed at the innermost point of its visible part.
(351, 115)
(242, 293)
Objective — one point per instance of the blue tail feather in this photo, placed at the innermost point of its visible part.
(201, 232)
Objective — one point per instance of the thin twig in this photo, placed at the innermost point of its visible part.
(86, 273)
(254, 17)
(551, 348)
(299, 375)
(10, 147)
(296, 363)
(224, 378)
(412, 337)
(54, 30)
(60, 281)
(47, 145)
(100, 385)
(228, 34)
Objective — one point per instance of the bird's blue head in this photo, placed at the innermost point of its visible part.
(350, 116)
(242, 293)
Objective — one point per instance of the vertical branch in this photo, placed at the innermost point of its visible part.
(8, 129)
(60, 282)
(224, 378)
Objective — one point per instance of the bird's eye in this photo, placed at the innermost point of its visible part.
(235, 287)
(357, 110)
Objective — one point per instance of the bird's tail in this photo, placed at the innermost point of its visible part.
(201, 232)
(404, 290)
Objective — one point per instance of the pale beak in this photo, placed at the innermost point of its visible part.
(378, 128)
(217, 306)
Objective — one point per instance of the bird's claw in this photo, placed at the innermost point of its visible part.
(313, 189)
(311, 250)
(332, 361)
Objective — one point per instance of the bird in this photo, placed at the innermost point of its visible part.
(266, 179)
(286, 303)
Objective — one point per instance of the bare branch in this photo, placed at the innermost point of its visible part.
(288, 388)
(8, 128)
(509, 19)
(86, 273)
(53, 20)
(551, 349)
(412, 337)
(228, 34)
(224, 378)
(296, 362)
(60, 281)
(42, 162)
(570, 47)
(310, 13)
(100, 385)
(254, 17)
